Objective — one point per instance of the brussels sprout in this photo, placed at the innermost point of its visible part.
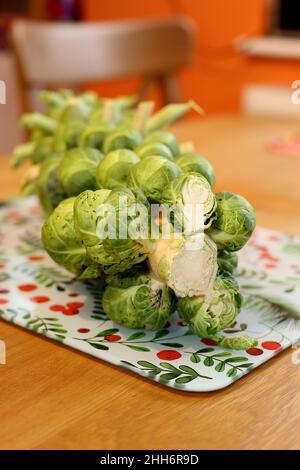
(193, 201)
(165, 138)
(49, 189)
(189, 267)
(209, 314)
(138, 301)
(123, 250)
(93, 136)
(122, 138)
(102, 222)
(61, 242)
(67, 135)
(77, 170)
(86, 208)
(153, 148)
(227, 261)
(46, 124)
(195, 163)
(234, 223)
(22, 153)
(152, 175)
(113, 170)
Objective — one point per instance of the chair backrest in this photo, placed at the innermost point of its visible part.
(51, 54)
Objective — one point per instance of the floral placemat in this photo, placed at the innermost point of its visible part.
(39, 296)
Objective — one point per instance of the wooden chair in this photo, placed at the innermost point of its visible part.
(51, 55)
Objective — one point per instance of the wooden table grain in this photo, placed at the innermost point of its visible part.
(53, 397)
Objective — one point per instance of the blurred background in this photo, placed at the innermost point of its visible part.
(242, 57)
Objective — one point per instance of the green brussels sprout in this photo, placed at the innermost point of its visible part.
(188, 266)
(113, 170)
(32, 121)
(227, 261)
(122, 138)
(234, 222)
(209, 314)
(93, 136)
(67, 135)
(153, 148)
(77, 170)
(102, 222)
(43, 150)
(122, 249)
(138, 301)
(165, 138)
(195, 163)
(22, 153)
(62, 244)
(86, 208)
(186, 193)
(49, 189)
(152, 175)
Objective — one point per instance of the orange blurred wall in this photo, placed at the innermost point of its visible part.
(219, 72)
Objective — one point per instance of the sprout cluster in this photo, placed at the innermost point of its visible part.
(127, 202)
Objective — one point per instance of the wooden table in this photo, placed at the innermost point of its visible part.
(53, 397)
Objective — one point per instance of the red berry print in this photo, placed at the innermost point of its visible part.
(181, 323)
(4, 291)
(255, 351)
(57, 308)
(27, 287)
(209, 342)
(83, 330)
(70, 311)
(271, 345)
(270, 265)
(75, 304)
(273, 238)
(73, 294)
(36, 258)
(169, 355)
(40, 299)
(112, 338)
(167, 325)
(3, 301)
(2, 266)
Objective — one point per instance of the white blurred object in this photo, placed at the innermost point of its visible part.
(270, 46)
(269, 100)
(10, 132)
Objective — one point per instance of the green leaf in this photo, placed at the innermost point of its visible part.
(220, 367)
(129, 364)
(195, 358)
(167, 377)
(160, 334)
(146, 364)
(184, 380)
(232, 372)
(249, 364)
(58, 330)
(98, 346)
(168, 366)
(222, 354)
(188, 370)
(110, 331)
(208, 362)
(138, 348)
(138, 335)
(173, 345)
(236, 359)
(50, 319)
(205, 350)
